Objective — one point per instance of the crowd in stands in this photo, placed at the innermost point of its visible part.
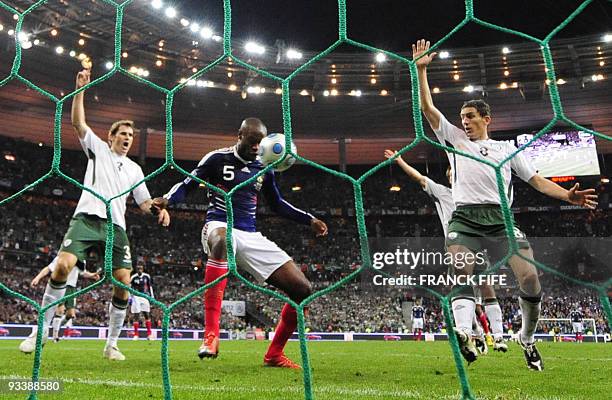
(33, 225)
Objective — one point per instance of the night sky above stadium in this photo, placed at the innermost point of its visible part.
(394, 24)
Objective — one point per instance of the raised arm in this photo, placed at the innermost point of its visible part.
(411, 172)
(585, 198)
(432, 114)
(77, 114)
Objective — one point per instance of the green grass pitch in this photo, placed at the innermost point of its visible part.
(341, 370)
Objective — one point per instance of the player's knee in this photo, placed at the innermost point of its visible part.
(302, 290)
(218, 248)
(530, 283)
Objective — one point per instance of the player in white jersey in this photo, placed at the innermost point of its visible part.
(109, 173)
(478, 222)
(66, 311)
(443, 200)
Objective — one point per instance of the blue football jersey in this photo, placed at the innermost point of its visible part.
(225, 169)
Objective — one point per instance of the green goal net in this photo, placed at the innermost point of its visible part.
(285, 83)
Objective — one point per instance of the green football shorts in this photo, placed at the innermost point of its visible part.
(72, 302)
(481, 227)
(87, 232)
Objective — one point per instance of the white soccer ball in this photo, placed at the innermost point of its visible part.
(271, 148)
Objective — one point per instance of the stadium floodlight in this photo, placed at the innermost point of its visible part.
(157, 4)
(36, 42)
(194, 27)
(72, 53)
(170, 12)
(59, 50)
(304, 92)
(607, 37)
(206, 32)
(10, 32)
(505, 50)
(253, 47)
(26, 45)
(468, 89)
(109, 65)
(381, 57)
(356, 93)
(444, 54)
(1, 27)
(184, 22)
(293, 54)
(326, 93)
(217, 38)
(23, 37)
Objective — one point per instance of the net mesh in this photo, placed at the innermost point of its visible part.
(343, 38)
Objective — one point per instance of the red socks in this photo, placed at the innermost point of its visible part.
(213, 296)
(483, 321)
(148, 324)
(284, 330)
(136, 326)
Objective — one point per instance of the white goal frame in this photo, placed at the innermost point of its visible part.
(569, 321)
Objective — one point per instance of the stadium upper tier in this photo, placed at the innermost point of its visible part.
(372, 108)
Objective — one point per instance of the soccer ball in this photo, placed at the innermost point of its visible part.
(271, 149)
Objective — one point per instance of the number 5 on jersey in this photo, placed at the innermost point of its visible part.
(228, 172)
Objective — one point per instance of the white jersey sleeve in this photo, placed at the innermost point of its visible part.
(140, 192)
(92, 142)
(521, 166)
(448, 132)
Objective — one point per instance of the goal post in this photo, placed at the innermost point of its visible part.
(565, 325)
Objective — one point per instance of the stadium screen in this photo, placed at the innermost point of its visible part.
(562, 153)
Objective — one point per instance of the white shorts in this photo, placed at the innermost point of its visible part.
(140, 304)
(577, 326)
(253, 251)
(417, 323)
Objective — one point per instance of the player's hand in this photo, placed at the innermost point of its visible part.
(163, 217)
(160, 203)
(95, 276)
(34, 282)
(418, 49)
(585, 198)
(83, 78)
(318, 227)
(391, 154)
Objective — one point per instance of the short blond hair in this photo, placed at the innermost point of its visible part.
(115, 126)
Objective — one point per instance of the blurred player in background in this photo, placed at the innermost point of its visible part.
(418, 312)
(142, 282)
(577, 327)
(66, 311)
(226, 169)
(478, 222)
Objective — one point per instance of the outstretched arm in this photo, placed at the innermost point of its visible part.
(91, 275)
(78, 108)
(432, 114)
(283, 208)
(149, 207)
(585, 198)
(43, 272)
(411, 172)
(178, 192)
